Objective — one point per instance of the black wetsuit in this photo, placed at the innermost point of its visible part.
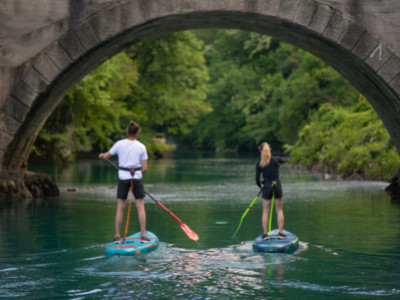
(270, 175)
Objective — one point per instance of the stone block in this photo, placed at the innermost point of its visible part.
(130, 14)
(46, 68)
(8, 124)
(395, 85)
(24, 93)
(76, 12)
(288, 8)
(231, 5)
(391, 69)
(184, 6)
(335, 27)
(34, 80)
(351, 35)
(255, 6)
(321, 19)
(7, 76)
(15, 109)
(271, 8)
(152, 9)
(57, 54)
(222, 5)
(366, 45)
(149, 8)
(106, 24)
(5, 140)
(72, 45)
(379, 57)
(305, 13)
(86, 35)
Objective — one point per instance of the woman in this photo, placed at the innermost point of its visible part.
(268, 166)
(132, 160)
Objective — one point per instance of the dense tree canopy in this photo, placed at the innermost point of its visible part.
(161, 84)
(223, 89)
(261, 88)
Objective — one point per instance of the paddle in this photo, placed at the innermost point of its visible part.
(270, 211)
(189, 232)
(246, 211)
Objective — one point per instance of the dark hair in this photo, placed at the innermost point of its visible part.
(132, 129)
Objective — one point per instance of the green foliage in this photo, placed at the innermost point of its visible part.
(261, 88)
(350, 141)
(88, 116)
(223, 89)
(161, 85)
(169, 95)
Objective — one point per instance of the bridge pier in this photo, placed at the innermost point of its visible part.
(393, 189)
(21, 187)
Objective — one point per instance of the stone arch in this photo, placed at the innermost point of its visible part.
(96, 34)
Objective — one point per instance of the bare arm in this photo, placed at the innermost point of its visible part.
(144, 165)
(105, 155)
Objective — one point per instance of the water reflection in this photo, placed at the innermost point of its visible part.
(231, 272)
(348, 230)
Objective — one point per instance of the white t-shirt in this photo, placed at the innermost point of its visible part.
(130, 154)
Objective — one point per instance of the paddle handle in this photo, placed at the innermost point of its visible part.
(129, 211)
(111, 163)
(246, 211)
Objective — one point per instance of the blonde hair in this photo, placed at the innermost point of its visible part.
(265, 154)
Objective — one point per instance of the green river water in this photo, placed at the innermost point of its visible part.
(349, 233)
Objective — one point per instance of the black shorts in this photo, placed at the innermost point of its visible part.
(125, 185)
(269, 189)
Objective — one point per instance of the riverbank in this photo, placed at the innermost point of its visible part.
(393, 188)
(20, 188)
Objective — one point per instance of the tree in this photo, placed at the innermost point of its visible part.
(161, 84)
(89, 115)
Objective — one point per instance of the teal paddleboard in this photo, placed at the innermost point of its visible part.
(275, 244)
(132, 245)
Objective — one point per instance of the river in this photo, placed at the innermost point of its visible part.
(349, 233)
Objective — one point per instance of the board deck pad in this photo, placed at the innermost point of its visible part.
(275, 244)
(132, 245)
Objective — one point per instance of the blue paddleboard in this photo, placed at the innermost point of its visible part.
(132, 245)
(275, 244)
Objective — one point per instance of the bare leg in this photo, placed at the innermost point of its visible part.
(279, 213)
(118, 216)
(142, 216)
(265, 214)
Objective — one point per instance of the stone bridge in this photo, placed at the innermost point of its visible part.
(47, 46)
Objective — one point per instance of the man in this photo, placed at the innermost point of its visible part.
(132, 160)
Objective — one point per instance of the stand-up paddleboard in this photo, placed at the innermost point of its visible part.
(132, 245)
(275, 244)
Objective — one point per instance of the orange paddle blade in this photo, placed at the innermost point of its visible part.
(189, 232)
